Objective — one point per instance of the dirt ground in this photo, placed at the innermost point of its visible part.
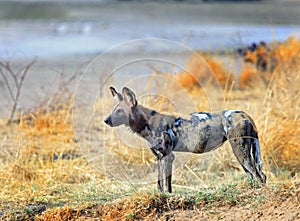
(272, 202)
(280, 205)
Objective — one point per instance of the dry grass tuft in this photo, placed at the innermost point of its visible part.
(40, 151)
(281, 121)
(223, 76)
(248, 76)
(288, 51)
(203, 70)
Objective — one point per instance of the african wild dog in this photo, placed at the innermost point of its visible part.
(198, 133)
(260, 55)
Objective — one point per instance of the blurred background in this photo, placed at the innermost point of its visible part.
(46, 28)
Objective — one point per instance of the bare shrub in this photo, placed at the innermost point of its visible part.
(13, 80)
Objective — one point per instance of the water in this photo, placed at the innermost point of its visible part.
(51, 43)
(95, 27)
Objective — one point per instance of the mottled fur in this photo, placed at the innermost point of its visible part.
(198, 133)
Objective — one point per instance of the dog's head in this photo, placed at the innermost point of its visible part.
(125, 105)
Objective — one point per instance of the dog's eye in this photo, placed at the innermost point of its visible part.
(120, 111)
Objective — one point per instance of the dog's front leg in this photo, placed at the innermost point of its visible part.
(170, 159)
(165, 173)
(160, 182)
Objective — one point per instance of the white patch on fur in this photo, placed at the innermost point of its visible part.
(178, 122)
(228, 113)
(225, 128)
(172, 135)
(201, 116)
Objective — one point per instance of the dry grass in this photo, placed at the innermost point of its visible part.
(249, 76)
(41, 161)
(281, 121)
(201, 70)
(276, 56)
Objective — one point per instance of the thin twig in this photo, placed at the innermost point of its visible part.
(7, 84)
(11, 72)
(192, 172)
(18, 86)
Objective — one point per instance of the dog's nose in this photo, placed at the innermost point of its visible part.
(108, 121)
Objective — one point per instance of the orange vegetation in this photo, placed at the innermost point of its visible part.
(288, 50)
(248, 75)
(200, 71)
(50, 121)
(265, 60)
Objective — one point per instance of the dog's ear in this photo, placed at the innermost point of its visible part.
(117, 96)
(129, 97)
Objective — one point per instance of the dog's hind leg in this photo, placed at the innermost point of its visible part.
(242, 135)
(242, 154)
(246, 150)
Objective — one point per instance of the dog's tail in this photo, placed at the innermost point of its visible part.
(254, 150)
(258, 161)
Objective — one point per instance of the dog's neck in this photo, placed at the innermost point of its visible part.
(139, 119)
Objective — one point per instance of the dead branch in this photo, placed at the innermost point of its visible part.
(14, 89)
